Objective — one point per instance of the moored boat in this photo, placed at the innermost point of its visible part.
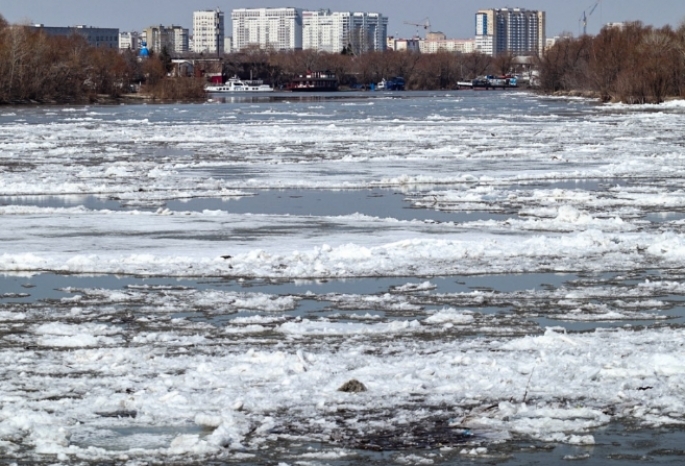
(394, 84)
(314, 81)
(489, 82)
(235, 84)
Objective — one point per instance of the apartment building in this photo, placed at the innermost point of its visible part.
(327, 31)
(267, 28)
(438, 42)
(404, 45)
(447, 45)
(208, 31)
(174, 38)
(129, 41)
(510, 30)
(97, 37)
(368, 32)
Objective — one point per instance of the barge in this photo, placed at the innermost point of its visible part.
(314, 81)
(489, 82)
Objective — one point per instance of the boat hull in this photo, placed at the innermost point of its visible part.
(236, 85)
(221, 90)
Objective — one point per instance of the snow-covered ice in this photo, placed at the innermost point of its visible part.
(555, 314)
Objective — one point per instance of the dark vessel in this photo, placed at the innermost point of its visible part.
(394, 84)
(314, 81)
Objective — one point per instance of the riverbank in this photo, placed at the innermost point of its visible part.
(632, 64)
(594, 95)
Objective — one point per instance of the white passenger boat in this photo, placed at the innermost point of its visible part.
(235, 84)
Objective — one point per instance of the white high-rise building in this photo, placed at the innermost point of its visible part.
(267, 28)
(208, 31)
(181, 39)
(173, 38)
(328, 31)
(325, 31)
(368, 31)
(510, 30)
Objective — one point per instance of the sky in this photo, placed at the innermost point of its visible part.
(453, 17)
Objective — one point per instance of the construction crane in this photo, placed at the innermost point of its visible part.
(587, 16)
(426, 25)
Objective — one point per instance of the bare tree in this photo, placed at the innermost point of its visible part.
(476, 64)
(503, 63)
(658, 50)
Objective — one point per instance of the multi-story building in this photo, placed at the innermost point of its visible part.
(404, 45)
(267, 28)
(129, 41)
(433, 43)
(510, 30)
(438, 42)
(173, 38)
(368, 31)
(97, 37)
(181, 39)
(327, 31)
(208, 31)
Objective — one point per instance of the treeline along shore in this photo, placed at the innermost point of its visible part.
(633, 64)
(42, 69)
(630, 63)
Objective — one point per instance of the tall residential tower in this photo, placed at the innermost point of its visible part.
(510, 30)
(327, 31)
(274, 28)
(208, 31)
(173, 38)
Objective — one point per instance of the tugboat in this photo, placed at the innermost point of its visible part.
(394, 84)
(235, 84)
(314, 81)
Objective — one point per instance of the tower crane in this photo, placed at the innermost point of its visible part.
(587, 16)
(426, 25)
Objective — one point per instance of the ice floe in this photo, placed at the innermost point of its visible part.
(229, 365)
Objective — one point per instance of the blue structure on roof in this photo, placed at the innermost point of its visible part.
(144, 52)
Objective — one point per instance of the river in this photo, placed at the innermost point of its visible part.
(500, 276)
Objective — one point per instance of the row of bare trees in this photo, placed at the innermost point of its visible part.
(38, 68)
(441, 70)
(632, 64)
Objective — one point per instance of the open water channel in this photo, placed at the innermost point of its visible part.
(196, 283)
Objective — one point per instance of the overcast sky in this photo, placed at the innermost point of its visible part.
(453, 17)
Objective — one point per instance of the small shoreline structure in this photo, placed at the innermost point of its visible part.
(313, 81)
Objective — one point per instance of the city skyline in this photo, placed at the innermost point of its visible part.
(455, 18)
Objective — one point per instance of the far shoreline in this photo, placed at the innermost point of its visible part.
(133, 99)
